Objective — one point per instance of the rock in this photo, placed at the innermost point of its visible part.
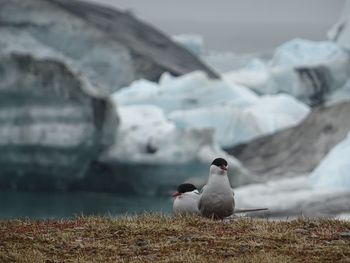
(53, 123)
(299, 149)
(109, 47)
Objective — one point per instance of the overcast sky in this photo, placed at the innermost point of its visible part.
(238, 25)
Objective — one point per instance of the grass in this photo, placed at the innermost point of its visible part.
(160, 238)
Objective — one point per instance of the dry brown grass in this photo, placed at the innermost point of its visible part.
(159, 238)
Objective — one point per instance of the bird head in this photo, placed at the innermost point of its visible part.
(219, 166)
(184, 188)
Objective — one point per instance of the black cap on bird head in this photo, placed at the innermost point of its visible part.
(184, 188)
(219, 162)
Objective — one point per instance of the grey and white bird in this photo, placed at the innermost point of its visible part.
(186, 199)
(217, 197)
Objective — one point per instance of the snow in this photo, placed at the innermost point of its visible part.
(333, 171)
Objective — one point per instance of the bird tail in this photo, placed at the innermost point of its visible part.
(236, 211)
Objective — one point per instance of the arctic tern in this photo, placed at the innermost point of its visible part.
(186, 199)
(217, 198)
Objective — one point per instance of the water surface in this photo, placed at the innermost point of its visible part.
(45, 205)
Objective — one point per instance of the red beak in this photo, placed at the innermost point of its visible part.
(223, 167)
(176, 194)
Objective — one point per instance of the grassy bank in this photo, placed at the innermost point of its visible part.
(158, 238)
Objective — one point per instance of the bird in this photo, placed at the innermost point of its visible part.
(186, 199)
(217, 197)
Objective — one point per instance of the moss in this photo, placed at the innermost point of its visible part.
(160, 238)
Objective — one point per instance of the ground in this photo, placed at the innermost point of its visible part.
(160, 238)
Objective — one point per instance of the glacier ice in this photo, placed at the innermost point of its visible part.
(333, 171)
(189, 91)
(302, 52)
(109, 47)
(305, 69)
(342, 94)
(146, 136)
(293, 197)
(148, 142)
(234, 113)
(324, 191)
(234, 125)
(53, 123)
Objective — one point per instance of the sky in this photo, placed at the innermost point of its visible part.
(242, 26)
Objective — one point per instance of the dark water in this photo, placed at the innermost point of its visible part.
(45, 205)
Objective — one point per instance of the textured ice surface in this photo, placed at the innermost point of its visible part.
(304, 69)
(325, 191)
(147, 139)
(146, 136)
(109, 47)
(233, 125)
(301, 52)
(233, 112)
(190, 91)
(333, 171)
(293, 197)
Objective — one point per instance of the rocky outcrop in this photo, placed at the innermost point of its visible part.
(109, 47)
(52, 123)
(296, 150)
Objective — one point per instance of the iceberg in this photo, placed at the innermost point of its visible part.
(307, 70)
(340, 95)
(296, 150)
(146, 136)
(293, 197)
(234, 113)
(333, 171)
(324, 192)
(109, 47)
(304, 53)
(152, 156)
(59, 62)
(54, 123)
(234, 125)
(189, 91)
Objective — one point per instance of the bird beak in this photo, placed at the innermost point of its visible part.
(223, 167)
(176, 194)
